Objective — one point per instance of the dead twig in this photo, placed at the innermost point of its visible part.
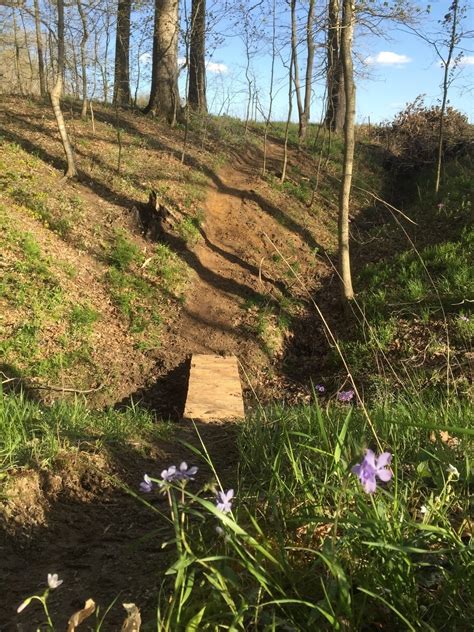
(49, 387)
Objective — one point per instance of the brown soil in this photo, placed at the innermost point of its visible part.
(77, 522)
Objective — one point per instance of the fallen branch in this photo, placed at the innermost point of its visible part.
(49, 387)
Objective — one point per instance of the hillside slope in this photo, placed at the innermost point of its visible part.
(90, 303)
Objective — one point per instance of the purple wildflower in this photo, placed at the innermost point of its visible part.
(186, 473)
(224, 501)
(168, 475)
(371, 467)
(345, 396)
(146, 485)
(464, 318)
(320, 388)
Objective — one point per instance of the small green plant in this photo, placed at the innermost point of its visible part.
(83, 317)
(123, 252)
(188, 229)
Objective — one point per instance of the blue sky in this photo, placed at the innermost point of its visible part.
(397, 68)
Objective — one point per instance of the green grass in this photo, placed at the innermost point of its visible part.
(444, 274)
(307, 549)
(413, 304)
(31, 290)
(123, 252)
(33, 435)
(140, 292)
(188, 229)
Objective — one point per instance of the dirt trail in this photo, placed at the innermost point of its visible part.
(231, 272)
(225, 277)
(95, 539)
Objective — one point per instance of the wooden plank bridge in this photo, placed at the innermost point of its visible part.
(214, 391)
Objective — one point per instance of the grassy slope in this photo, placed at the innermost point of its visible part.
(79, 307)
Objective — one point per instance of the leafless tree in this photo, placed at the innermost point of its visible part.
(304, 106)
(122, 54)
(197, 62)
(83, 44)
(349, 143)
(164, 93)
(335, 108)
(56, 94)
(39, 49)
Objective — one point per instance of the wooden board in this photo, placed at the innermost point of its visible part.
(214, 391)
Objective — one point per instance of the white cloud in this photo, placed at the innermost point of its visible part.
(467, 60)
(212, 66)
(387, 58)
(217, 68)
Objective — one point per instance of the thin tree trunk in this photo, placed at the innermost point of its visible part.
(27, 47)
(304, 120)
(122, 54)
(447, 64)
(186, 88)
(75, 72)
(349, 143)
(288, 119)
(17, 55)
(84, 38)
(197, 63)
(52, 62)
(105, 77)
(164, 93)
(270, 105)
(294, 56)
(139, 53)
(39, 45)
(56, 93)
(249, 87)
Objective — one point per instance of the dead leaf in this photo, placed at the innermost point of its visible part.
(446, 438)
(81, 615)
(134, 620)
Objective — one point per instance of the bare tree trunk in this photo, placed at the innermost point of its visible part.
(349, 143)
(452, 42)
(164, 93)
(197, 63)
(39, 45)
(294, 56)
(75, 71)
(84, 38)
(122, 54)
(186, 88)
(249, 87)
(103, 67)
(17, 56)
(51, 56)
(56, 93)
(335, 111)
(304, 120)
(288, 119)
(271, 97)
(139, 49)
(27, 48)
